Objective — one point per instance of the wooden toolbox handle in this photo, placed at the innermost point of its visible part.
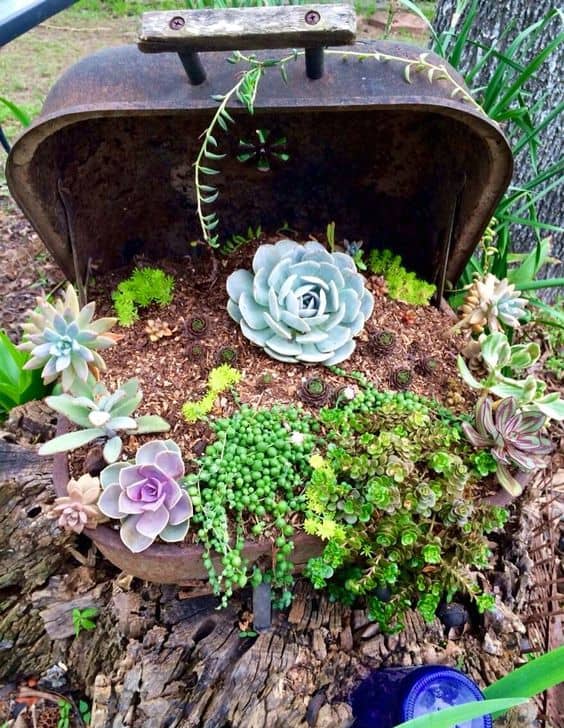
(188, 32)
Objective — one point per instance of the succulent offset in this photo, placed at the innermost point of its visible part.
(300, 303)
(147, 497)
(78, 510)
(64, 340)
(492, 302)
(101, 415)
(513, 437)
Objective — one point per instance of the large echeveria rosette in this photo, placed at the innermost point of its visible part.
(301, 303)
(146, 496)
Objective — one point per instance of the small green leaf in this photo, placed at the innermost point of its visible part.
(89, 612)
(208, 170)
(213, 155)
(226, 115)
(407, 73)
(208, 188)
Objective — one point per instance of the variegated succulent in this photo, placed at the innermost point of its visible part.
(513, 437)
(492, 302)
(497, 356)
(301, 303)
(101, 415)
(64, 339)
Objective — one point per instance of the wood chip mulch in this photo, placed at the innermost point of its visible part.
(170, 374)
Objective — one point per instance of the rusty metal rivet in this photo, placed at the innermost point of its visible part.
(176, 23)
(312, 17)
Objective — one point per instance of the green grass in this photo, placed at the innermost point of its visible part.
(32, 63)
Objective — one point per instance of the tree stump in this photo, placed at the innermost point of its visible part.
(160, 658)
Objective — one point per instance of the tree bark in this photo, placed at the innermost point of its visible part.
(492, 19)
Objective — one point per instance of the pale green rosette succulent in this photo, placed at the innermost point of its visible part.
(300, 303)
(63, 340)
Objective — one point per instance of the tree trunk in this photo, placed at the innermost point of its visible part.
(159, 658)
(491, 21)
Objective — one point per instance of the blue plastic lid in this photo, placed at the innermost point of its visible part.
(434, 688)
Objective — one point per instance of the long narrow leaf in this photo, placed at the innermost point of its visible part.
(529, 71)
(535, 285)
(450, 717)
(16, 111)
(535, 677)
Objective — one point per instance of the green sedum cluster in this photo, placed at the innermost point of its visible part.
(250, 480)
(395, 499)
(403, 285)
(143, 287)
(220, 379)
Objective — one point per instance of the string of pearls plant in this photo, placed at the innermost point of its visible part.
(246, 89)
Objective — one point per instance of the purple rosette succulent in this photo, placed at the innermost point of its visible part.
(513, 437)
(146, 496)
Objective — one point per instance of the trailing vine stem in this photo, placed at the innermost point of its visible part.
(207, 194)
(246, 89)
(434, 71)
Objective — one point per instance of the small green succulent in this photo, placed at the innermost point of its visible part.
(301, 303)
(64, 339)
(394, 499)
(143, 287)
(220, 379)
(493, 303)
(101, 415)
(402, 285)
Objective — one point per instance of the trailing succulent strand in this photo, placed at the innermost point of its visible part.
(245, 91)
(101, 415)
(300, 303)
(63, 339)
(251, 477)
(513, 438)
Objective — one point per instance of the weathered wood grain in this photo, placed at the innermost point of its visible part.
(247, 28)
